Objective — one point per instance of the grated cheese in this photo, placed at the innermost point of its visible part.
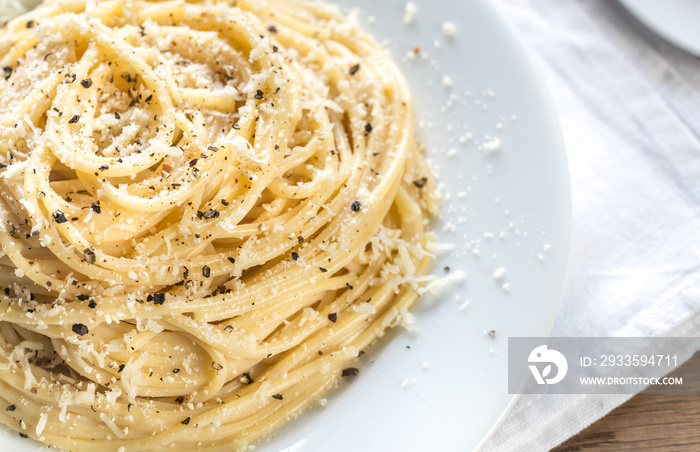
(112, 426)
(409, 13)
(41, 424)
(440, 284)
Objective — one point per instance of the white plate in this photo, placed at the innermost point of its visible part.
(677, 21)
(447, 391)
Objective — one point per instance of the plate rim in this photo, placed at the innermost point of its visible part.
(640, 14)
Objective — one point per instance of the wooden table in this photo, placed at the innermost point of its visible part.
(647, 422)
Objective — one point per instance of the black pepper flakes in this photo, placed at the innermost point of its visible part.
(236, 126)
(176, 370)
(353, 69)
(59, 217)
(300, 239)
(12, 407)
(80, 329)
(158, 298)
(121, 368)
(232, 260)
(180, 400)
(23, 435)
(206, 271)
(420, 183)
(149, 98)
(69, 78)
(89, 256)
(210, 214)
(246, 379)
(350, 372)
(356, 206)
(30, 23)
(74, 119)
(323, 270)
(259, 94)
(185, 421)
(349, 286)
(92, 304)
(8, 72)
(368, 127)
(295, 255)
(86, 83)
(216, 365)
(271, 28)
(278, 396)
(95, 207)
(116, 115)
(193, 162)
(228, 329)
(333, 316)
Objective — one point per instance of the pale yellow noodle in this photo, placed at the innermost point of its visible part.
(209, 209)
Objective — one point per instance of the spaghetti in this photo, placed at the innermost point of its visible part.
(208, 210)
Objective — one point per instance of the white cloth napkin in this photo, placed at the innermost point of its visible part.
(629, 106)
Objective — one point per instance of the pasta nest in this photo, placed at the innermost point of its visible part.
(208, 209)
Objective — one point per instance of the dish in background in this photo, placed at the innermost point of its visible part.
(677, 21)
(488, 126)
